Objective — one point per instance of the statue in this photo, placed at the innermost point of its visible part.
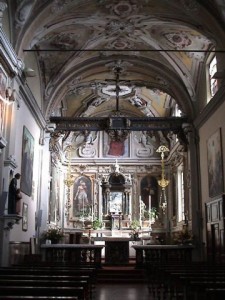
(13, 194)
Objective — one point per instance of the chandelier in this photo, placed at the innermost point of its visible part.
(163, 182)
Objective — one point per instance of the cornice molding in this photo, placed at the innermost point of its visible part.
(8, 57)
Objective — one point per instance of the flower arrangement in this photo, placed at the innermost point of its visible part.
(97, 224)
(53, 234)
(134, 234)
(184, 237)
(153, 214)
(135, 226)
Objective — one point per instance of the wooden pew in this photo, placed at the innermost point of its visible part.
(43, 291)
(46, 276)
(186, 281)
(39, 297)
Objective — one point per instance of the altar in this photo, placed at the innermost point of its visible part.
(118, 245)
(116, 249)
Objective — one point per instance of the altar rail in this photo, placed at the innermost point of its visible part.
(146, 254)
(77, 254)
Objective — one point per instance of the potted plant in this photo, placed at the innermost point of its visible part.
(97, 224)
(135, 226)
(52, 234)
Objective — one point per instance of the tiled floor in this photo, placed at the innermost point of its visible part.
(122, 292)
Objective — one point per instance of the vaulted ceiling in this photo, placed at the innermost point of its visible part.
(157, 47)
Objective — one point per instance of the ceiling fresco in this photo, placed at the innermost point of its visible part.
(158, 46)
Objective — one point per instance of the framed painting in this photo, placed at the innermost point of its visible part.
(25, 217)
(215, 168)
(82, 198)
(116, 202)
(115, 145)
(27, 162)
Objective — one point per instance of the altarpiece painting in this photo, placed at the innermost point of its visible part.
(27, 162)
(215, 169)
(82, 197)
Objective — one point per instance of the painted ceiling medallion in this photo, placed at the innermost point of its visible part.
(124, 8)
(65, 41)
(111, 90)
(120, 44)
(179, 41)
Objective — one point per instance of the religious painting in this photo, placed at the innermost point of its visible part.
(115, 203)
(82, 198)
(25, 217)
(215, 168)
(115, 146)
(27, 162)
(3, 86)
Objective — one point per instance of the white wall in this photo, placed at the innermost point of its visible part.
(41, 155)
(216, 121)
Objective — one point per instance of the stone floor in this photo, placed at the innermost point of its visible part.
(122, 292)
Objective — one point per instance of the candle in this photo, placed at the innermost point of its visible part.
(140, 208)
(149, 210)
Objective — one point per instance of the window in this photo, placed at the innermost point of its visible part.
(177, 112)
(212, 80)
(180, 187)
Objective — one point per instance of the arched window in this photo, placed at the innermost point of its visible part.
(212, 81)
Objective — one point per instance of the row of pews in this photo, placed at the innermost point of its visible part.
(48, 281)
(193, 280)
